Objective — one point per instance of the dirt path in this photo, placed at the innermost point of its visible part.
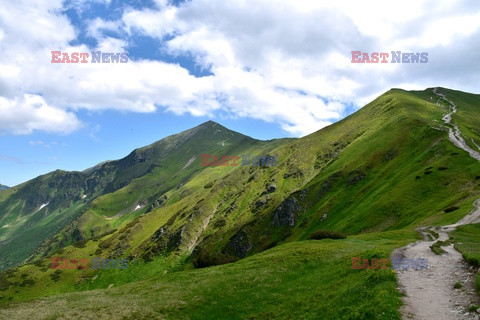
(429, 294)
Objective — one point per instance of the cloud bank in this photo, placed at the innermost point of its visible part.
(286, 62)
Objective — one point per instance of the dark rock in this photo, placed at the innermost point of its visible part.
(158, 234)
(295, 174)
(230, 209)
(284, 215)
(174, 240)
(271, 188)
(260, 203)
(238, 245)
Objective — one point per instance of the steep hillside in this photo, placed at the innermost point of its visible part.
(63, 207)
(386, 167)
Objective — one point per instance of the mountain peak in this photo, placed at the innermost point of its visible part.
(3, 187)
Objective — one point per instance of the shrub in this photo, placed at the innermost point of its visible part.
(80, 244)
(56, 275)
(326, 234)
(204, 259)
(4, 283)
(208, 185)
(27, 281)
(473, 260)
(38, 263)
(457, 285)
(473, 308)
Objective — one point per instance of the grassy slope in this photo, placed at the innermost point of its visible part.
(391, 196)
(467, 241)
(410, 173)
(292, 281)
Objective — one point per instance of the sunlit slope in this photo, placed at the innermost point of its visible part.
(388, 166)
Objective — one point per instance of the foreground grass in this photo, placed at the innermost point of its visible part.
(299, 280)
(467, 241)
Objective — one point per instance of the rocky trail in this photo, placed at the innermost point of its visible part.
(430, 293)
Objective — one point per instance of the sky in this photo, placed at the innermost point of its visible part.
(265, 68)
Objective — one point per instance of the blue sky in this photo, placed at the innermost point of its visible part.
(267, 69)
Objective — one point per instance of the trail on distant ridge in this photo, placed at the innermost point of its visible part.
(429, 294)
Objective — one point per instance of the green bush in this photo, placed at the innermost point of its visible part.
(450, 209)
(208, 185)
(326, 234)
(203, 259)
(80, 244)
(27, 281)
(4, 283)
(56, 275)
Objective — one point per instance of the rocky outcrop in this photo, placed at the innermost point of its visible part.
(285, 214)
(238, 245)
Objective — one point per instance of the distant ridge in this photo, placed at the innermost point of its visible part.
(3, 187)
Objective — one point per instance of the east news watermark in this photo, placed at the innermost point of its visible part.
(396, 57)
(83, 57)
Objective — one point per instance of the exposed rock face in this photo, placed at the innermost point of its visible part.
(175, 240)
(157, 203)
(260, 203)
(296, 174)
(238, 245)
(271, 188)
(285, 214)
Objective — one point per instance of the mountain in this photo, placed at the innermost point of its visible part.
(375, 176)
(61, 207)
(2, 187)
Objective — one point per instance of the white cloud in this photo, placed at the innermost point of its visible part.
(286, 62)
(23, 116)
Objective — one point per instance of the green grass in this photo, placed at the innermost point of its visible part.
(437, 246)
(292, 281)
(467, 241)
